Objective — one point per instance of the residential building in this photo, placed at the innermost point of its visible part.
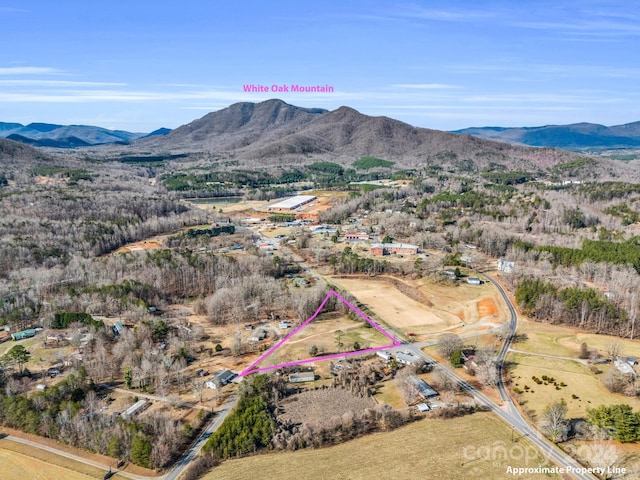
(407, 358)
(386, 356)
(220, 379)
(505, 266)
(622, 365)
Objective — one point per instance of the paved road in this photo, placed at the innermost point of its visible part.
(190, 454)
(510, 415)
(508, 412)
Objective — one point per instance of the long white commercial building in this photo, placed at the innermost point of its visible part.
(291, 203)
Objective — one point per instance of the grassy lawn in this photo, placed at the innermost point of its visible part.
(389, 394)
(460, 448)
(579, 379)
(566, 341)
(321, 333)
(22, 462)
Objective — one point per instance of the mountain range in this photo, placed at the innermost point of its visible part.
(67, 136)
(243, 124)
(276, 133)
(577, 136)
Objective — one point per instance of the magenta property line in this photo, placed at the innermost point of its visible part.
(296, 330)
(317, 359)
(327, 357)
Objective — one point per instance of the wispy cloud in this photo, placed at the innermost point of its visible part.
(447, 15)
(28, 71)
(57, 83)
(12, 10)
(590, 28)
(566, 70)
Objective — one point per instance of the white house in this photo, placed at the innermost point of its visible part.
(506, 267)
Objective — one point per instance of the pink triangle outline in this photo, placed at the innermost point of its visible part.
(250, 369)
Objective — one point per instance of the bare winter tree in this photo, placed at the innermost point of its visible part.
(198, 388)
(487, 369)
(236, 346)
(554, 422)
(614, 349)
(449, 343)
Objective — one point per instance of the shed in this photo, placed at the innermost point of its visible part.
(117, 328)
(449, 273)
(302, 377)
(136, 408)
(24, 334)
(423, 407)
(474, 281)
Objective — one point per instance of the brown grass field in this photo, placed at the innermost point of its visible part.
(321, 333)
(425, 308)
(565, 341)
(316, 406)
(22, 462)
(460, 448)
(579, 379)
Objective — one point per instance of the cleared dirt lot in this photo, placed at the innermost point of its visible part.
(459, 448)
(425, 308)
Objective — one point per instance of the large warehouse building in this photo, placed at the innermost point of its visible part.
(291, 203)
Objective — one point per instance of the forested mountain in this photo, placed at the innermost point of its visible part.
(63, 136)
(577, 136)
(274, 132)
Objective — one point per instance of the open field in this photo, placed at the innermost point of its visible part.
(231, 207)
(321, 333)
(459, 448)
(565, 341)
(425, 308)
(579, 379)
(22, 462)
(316, 406)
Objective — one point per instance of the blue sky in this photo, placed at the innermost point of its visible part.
(140, 65)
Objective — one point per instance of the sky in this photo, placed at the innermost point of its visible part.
(140, 65)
